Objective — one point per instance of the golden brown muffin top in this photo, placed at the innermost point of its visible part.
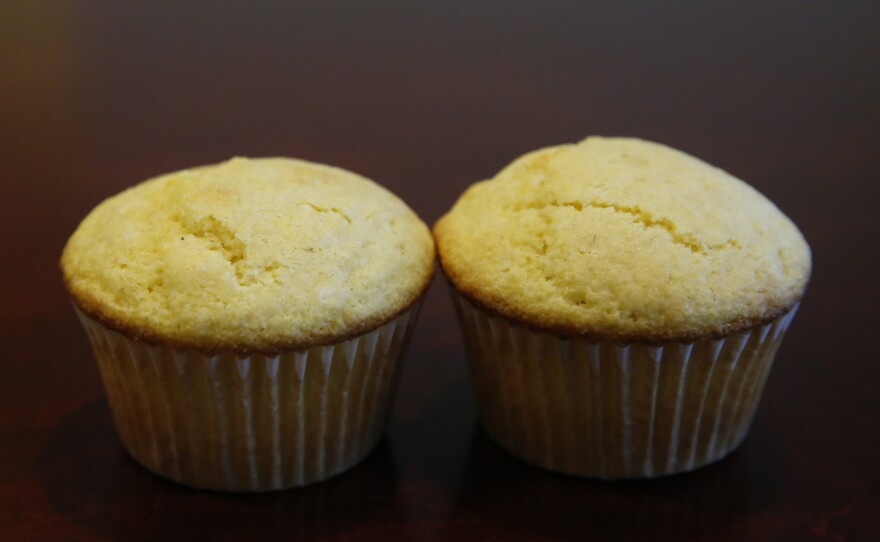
(625, 240)
(253, 255)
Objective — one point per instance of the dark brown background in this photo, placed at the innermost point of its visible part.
(427, 98)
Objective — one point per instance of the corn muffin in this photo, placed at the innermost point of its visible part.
(249, 317)
(621, 304)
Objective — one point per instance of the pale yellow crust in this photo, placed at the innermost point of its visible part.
(623, 240)
(250, 255)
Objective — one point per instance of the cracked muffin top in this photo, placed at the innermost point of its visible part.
(623, 240)
(253, 255)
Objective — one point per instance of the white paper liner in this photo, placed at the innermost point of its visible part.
(615, 411)
(251, 423)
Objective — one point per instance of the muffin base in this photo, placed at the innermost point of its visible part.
(614, 411)
(233, 422)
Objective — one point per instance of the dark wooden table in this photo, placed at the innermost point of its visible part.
(427, 98)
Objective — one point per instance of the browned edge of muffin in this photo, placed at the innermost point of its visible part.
(92, 309)
(594, 336)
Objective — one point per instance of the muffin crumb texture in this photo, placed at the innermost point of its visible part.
(624, 240)
(249, 255)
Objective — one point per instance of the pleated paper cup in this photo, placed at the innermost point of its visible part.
(235, 422)
(615, 411)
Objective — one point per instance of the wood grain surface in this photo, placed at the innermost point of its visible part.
(426, 98)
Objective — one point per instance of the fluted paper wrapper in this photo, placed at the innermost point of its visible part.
(251, 423)
(615, 411)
